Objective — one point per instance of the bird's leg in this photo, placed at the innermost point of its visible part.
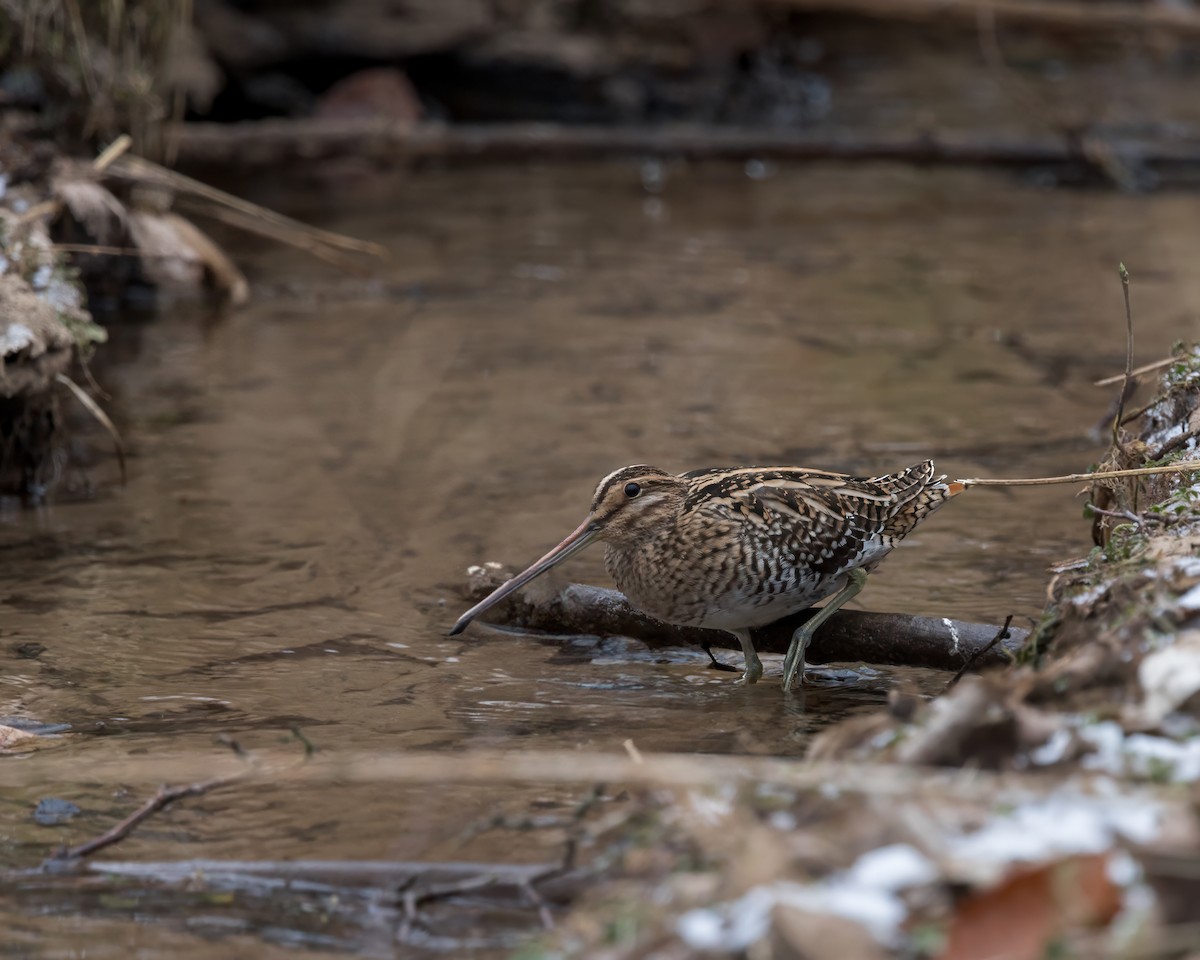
(793, 663)
(753, 664)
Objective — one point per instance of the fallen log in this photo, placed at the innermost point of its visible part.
(1096, 15)
(259, 143)
(849, 636)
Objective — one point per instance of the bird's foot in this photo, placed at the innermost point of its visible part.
(754, 672)
(793, 663)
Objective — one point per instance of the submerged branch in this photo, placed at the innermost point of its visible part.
(160, 801)
(849, 635)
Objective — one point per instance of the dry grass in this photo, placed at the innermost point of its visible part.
(107, 64)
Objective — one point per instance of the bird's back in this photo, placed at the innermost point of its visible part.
(752, 545)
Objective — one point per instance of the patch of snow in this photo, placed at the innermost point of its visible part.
(1088, 597)
(953, 633)
(867, 894)
(712, 809)
(1057, 825)
(1190, 601)
(1054, 749)
(1140, 754)
(895, 868)
(16, 338)
(1188, 566)
(1170, 676)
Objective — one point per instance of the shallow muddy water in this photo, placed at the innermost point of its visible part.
(312, 474)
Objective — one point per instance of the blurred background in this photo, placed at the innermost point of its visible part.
(377, 290)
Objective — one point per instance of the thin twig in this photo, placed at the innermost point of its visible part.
(1134, 414)
(1116, 426)
(1187, 467)
(1175, 443)
(160, 801)
(1146, 368)
(1129, 515)
(971, 660)
(99, 250)
(530, 891)
(112, 153)
(95, 410)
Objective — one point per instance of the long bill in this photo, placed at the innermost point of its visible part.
(579, 538)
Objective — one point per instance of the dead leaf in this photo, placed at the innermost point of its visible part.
(803, 935)
(178, 256)
(1022, 916)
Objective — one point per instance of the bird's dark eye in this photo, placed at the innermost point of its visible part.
(632, 489)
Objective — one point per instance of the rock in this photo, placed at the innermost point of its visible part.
(383, 93)
(52, 811)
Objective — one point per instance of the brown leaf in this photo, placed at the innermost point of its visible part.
(1019, 918)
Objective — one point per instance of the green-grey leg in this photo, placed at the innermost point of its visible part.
(753, 664)
(793, 663)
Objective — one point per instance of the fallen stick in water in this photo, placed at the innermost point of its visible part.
(848, 636)
(265, 143)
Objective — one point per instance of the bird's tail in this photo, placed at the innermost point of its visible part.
(917, 492)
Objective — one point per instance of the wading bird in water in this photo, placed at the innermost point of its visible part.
(733, 549)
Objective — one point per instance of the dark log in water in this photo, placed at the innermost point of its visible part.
(258, 143)
(849, 635)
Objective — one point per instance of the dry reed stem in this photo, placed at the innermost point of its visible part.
(552, 766)
(252, 216)
(1185, 467)
(1147, 368)
(113, 152)
(1116, 426)
(95, 410)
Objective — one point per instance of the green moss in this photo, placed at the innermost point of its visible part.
(1040, 636)
(1125, 542)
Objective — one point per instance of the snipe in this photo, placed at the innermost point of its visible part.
(733, 549)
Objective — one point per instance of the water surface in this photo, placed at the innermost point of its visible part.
(311, 475)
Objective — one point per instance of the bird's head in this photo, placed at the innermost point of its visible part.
(630, 506)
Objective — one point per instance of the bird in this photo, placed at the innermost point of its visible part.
(737, 548)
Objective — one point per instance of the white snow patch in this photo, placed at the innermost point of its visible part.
(712, 809)
(1061, 824)
(1169, 677)
(1054, 749)
(1188, 566)
(1140, 754)
(867, 894)
(895, 868)
(16, 338)
(1190, 601)
(953, 633)
(1088, 597)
